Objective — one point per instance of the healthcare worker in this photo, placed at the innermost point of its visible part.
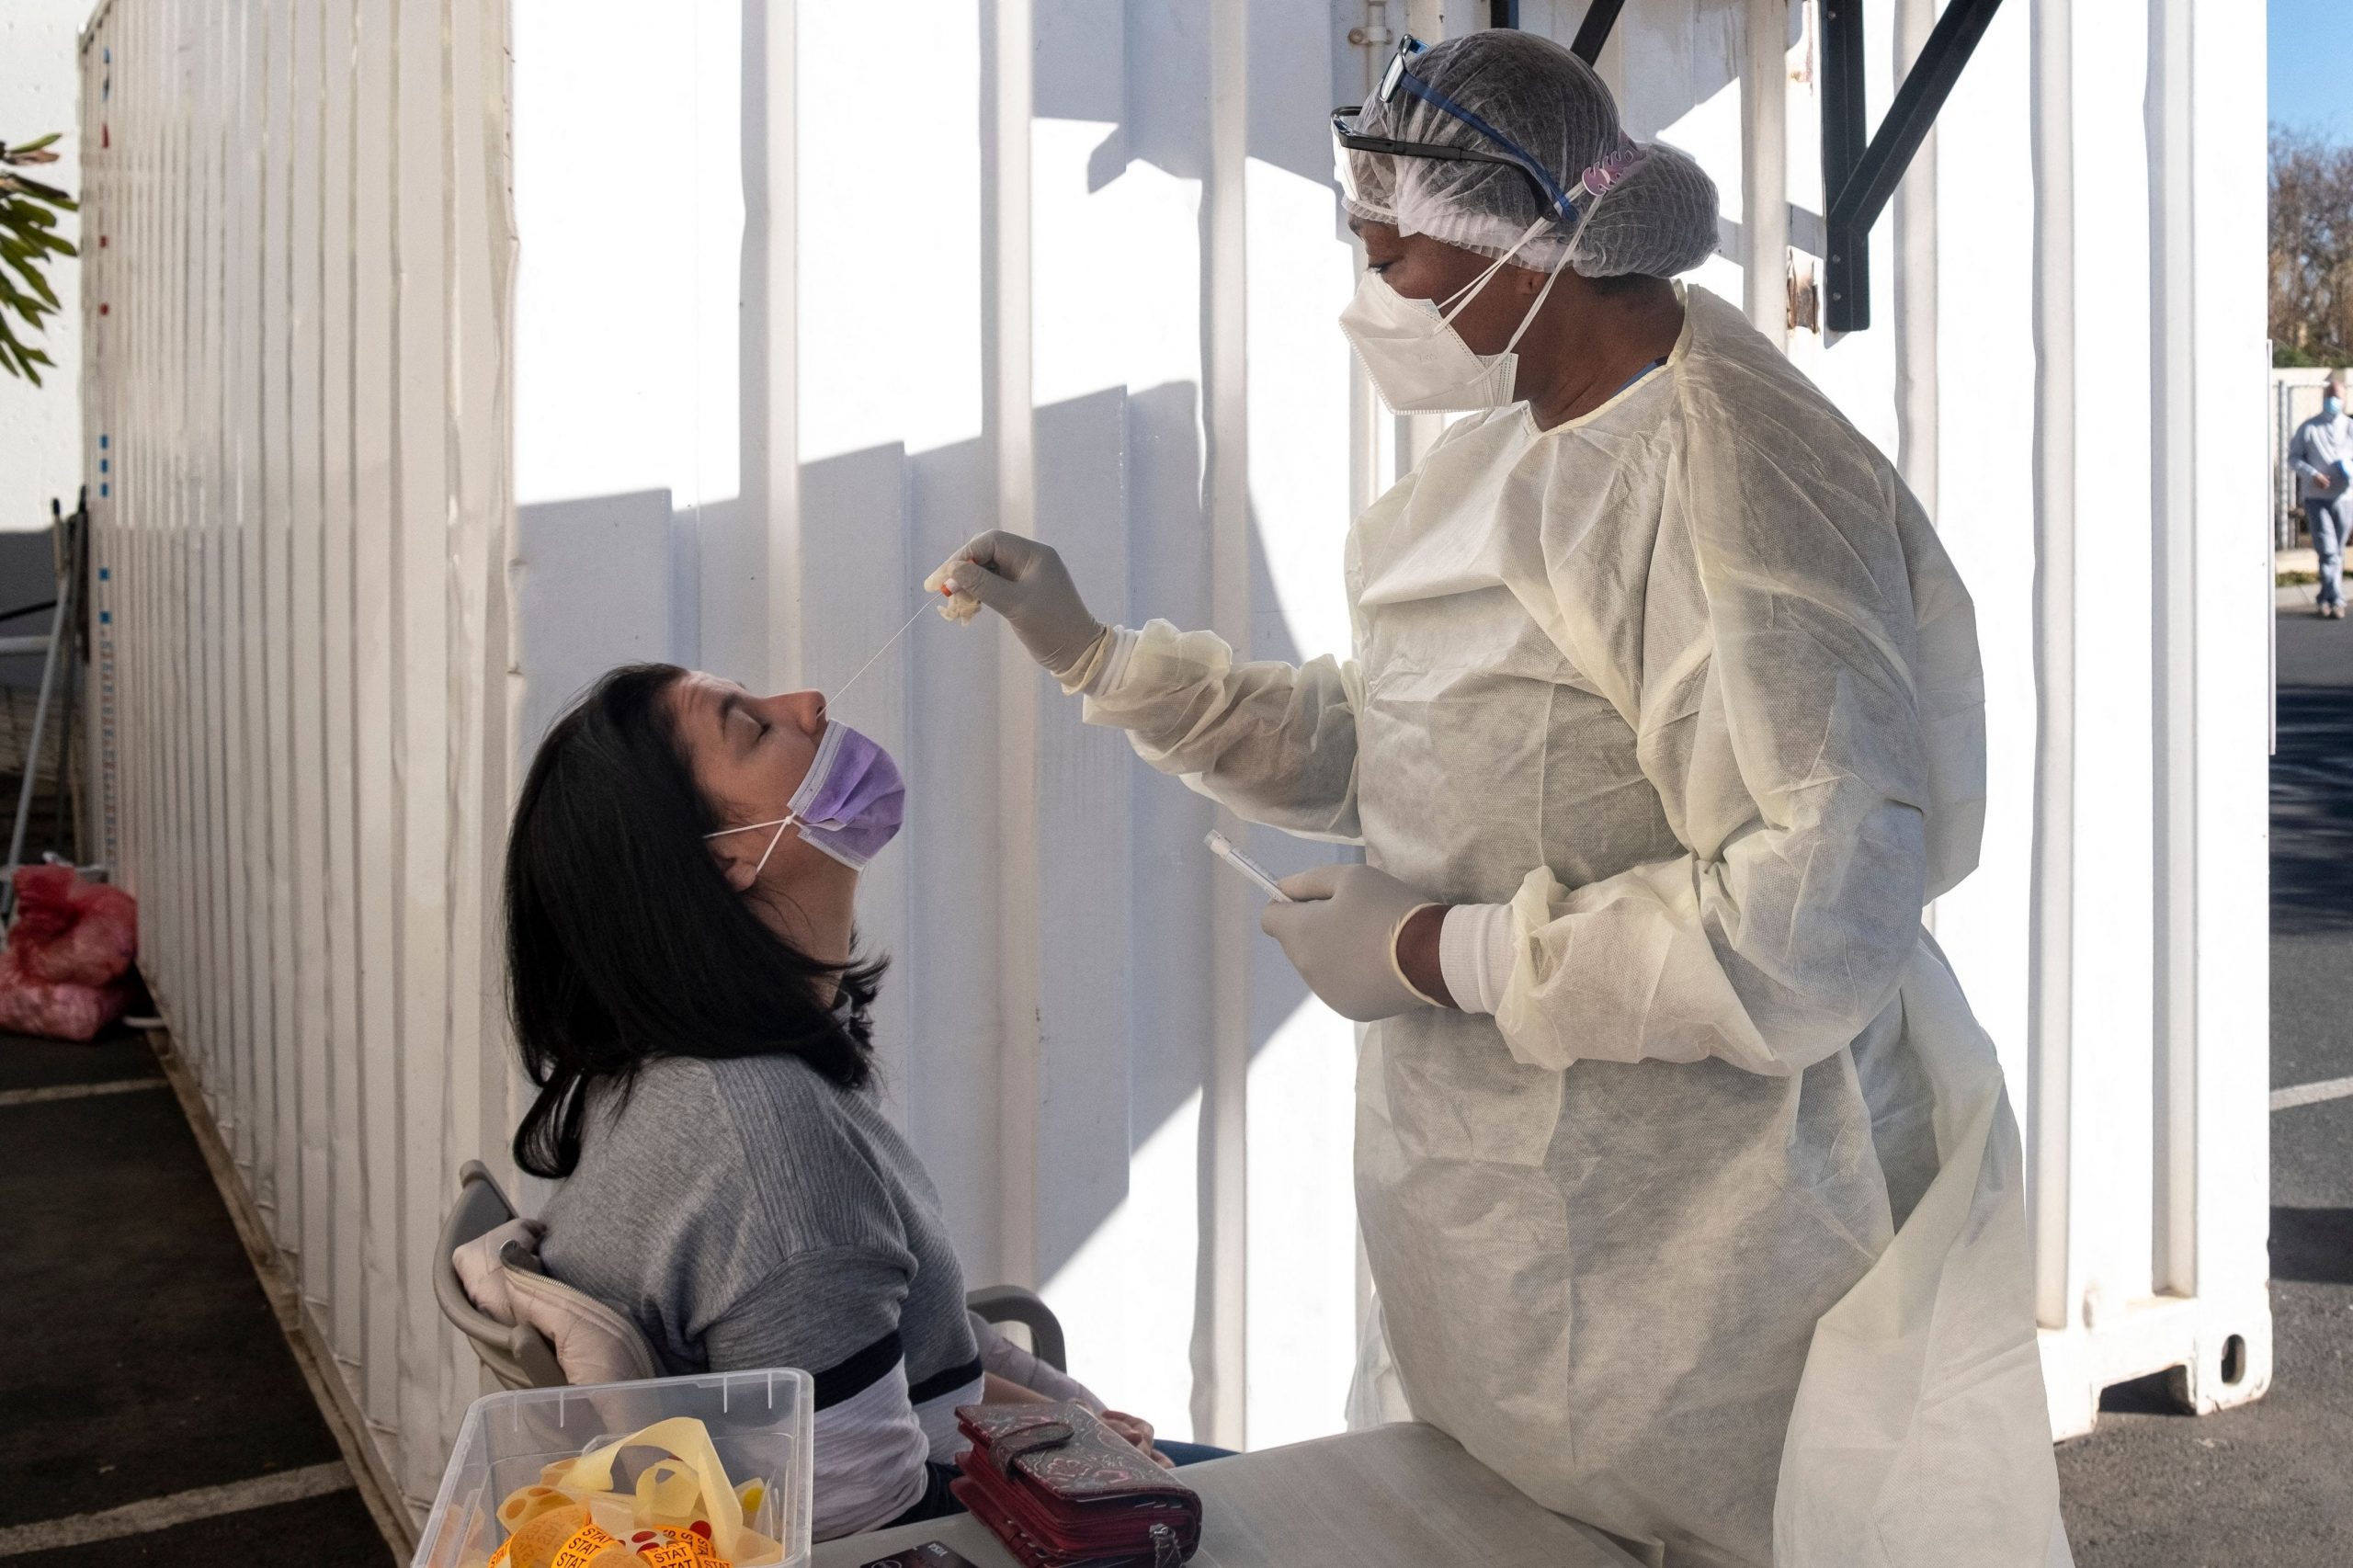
(1692, 1196)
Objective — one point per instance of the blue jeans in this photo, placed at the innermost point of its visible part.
(2327, 516)
(1183, 1454)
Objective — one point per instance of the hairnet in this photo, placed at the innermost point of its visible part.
(1656, 212)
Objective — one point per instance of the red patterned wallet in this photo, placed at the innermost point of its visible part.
(1062, 1490)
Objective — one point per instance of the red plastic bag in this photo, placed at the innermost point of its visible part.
(63, 975)
(57, 1010)
(71, 932)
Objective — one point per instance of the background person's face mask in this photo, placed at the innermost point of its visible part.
(2332, 406)
(850, 805)
(1418, 363)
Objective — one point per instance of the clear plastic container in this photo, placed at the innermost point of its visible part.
(759, 1424)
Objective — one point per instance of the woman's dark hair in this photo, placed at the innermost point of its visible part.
(624, 940)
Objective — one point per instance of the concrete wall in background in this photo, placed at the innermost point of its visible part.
(40, 440)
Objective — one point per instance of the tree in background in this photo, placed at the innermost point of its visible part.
(28, 241)
(2312, 249)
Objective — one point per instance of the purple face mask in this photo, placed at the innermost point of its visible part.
(849, 806)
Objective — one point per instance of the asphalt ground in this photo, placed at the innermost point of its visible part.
(2271, 1485)
(150, 1408)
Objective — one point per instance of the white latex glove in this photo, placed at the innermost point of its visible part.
(1026, 582)
(1341, 936)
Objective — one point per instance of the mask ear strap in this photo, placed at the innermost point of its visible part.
(774, 839)
(1529, 319)
(791, 818)
(1461, 298)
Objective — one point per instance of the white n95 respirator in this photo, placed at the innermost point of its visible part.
(1417, 361)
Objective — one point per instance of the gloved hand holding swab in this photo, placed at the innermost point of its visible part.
(960, 607)
(1027, 583)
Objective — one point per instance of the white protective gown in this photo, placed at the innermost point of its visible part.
(1714, 1235)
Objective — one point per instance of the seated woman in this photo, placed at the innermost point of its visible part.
(681, 881)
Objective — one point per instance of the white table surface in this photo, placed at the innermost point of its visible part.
(1402, 1496)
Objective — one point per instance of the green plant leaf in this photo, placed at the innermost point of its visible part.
(28, 239)
(12, 354)
(47, 193)
(31, 274)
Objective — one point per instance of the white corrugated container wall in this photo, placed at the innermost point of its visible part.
(803, 301)
(296, 411)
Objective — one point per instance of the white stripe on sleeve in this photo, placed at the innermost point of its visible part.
(869, 1457)
(937, 1418)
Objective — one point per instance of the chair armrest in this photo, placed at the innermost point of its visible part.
(1011, 1304)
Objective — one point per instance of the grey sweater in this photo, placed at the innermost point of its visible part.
(750, 1213)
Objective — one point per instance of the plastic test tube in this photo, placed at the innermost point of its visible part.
(1222, 847)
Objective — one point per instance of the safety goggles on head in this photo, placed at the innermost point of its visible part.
(1397, 80)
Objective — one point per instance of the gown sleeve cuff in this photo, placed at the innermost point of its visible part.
(1474, 954)
(1104, 665)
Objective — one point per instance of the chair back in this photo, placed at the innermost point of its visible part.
(518, 1356)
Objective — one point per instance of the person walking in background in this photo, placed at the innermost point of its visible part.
(2321, 455)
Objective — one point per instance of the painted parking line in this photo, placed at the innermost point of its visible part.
(2312, 1093)
(179, 1509)
(80, 1091)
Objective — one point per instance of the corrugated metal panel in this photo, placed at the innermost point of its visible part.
(1073, 272)
(1086, 291)
(298, 357)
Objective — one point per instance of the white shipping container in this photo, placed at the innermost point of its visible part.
(443, 353)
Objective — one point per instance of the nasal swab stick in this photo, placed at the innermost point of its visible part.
(836, 695)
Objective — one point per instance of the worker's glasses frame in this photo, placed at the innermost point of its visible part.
(1398, 79)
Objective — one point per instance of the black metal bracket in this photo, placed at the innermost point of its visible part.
(1863, 174)
(1594, 32)
(1859, 169)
